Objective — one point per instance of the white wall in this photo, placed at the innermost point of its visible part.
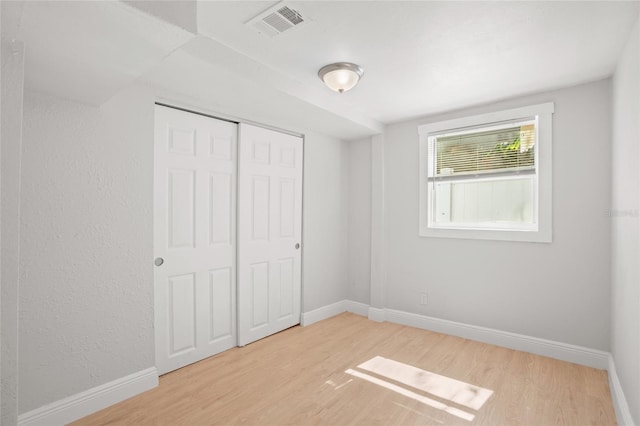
(11, 135)
(325, 221)
(557, 291)
(625, 300)
(359, 220)
(86, 305)
(86, 302)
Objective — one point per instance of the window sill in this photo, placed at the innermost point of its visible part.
(540, 236)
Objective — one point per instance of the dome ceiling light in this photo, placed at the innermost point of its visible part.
(341, 76)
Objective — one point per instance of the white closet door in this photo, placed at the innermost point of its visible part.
(194, 237)
(269, 232)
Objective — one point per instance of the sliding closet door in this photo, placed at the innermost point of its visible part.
(269, 232)
(194, 237)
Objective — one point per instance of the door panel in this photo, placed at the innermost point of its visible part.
(220, 219)
(194, 234)
(182, 302)
(221, 312)
(260, 207)
(286, 287)
(181, 208)
(269, 228)
(259, 295)
(287, 208)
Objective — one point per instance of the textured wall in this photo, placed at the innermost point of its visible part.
(625, 203)
(11, 104)
(360, 220)
(86, 302)
(325, 221)
(558, 291)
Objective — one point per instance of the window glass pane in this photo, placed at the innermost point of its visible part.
(490, 202)
(510, 148)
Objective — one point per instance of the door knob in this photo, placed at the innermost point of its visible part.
(159, 261)
(297, 246)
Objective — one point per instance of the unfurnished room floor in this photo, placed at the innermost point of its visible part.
(349, 370)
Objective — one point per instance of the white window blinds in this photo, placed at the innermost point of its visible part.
(502, 149)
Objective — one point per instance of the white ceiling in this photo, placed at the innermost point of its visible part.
(419, 57)
(426, 57)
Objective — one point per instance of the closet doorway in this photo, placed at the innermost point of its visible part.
(227, 235)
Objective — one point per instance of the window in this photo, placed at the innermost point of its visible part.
(488, 176)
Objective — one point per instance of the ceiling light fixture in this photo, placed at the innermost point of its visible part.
(341, 76)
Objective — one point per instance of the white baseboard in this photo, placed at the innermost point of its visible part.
(84, 403)
(324, 312)
(617, 395)
(377, 314)
(357, 307)
(558, 350)
(328, 311)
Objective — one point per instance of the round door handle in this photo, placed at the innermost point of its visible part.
(297, 246)
(159, 261)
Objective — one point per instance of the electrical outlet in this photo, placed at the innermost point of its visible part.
(424, 298)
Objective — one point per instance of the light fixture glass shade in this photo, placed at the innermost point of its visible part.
(341, 76)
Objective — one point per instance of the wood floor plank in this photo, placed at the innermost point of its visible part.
(311, 376)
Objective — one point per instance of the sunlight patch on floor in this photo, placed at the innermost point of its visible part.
(410, 377)
(441, 386)
(410, 394)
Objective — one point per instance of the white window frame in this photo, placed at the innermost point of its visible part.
(541, 232)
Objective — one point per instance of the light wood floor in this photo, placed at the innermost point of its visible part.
(298, 377)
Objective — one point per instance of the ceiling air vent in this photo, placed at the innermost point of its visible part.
(277, 19)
